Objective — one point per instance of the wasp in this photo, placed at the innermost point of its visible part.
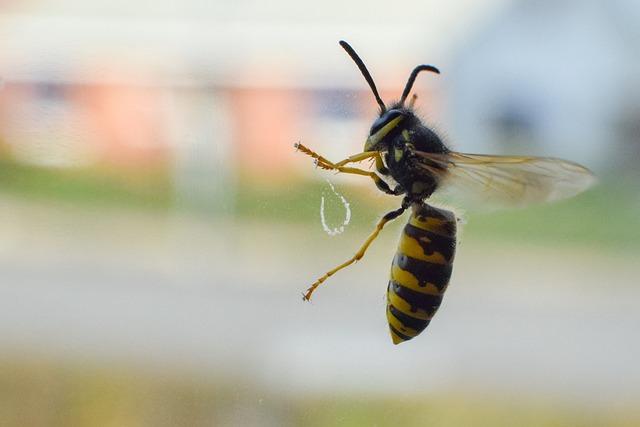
(412, 161)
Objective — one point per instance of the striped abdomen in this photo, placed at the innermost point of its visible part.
(420, 271)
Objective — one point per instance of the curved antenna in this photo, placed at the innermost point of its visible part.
(412, 79)
(363, 69)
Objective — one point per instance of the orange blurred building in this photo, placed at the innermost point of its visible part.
(213, 98)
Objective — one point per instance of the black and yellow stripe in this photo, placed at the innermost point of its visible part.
(420, 271)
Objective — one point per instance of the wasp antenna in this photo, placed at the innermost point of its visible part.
(412, 79)
(363, 69)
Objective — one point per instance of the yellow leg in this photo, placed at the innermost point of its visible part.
(380, 183)
(358, 157)
(380, 167)
(355, 171)
(298, 146)
(388, 217)
(327, 164)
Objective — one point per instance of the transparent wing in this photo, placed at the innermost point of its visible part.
(504, 181)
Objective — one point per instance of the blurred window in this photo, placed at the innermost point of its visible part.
(337, 104)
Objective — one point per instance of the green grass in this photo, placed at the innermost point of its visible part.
(37, 394)
(448, 409)
(606, 216)
(149, 189)
(300, 203)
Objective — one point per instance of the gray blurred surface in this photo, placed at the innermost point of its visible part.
(211, 298)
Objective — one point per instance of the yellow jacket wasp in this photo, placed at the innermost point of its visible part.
(417, 162)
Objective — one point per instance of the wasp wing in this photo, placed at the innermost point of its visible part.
(504, 181)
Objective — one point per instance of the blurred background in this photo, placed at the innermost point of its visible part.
(157, 227)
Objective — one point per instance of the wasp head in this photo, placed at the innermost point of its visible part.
(390, 123)
(397, 117)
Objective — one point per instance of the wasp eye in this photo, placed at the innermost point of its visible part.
(383, 120)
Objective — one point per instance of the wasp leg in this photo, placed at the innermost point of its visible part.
(327, 164)
(380, 183)
(388, 217)
(358, 157)
(380, 167)
(383, 186)
(319, 159)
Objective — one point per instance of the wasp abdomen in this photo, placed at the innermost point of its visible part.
(420, 271)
